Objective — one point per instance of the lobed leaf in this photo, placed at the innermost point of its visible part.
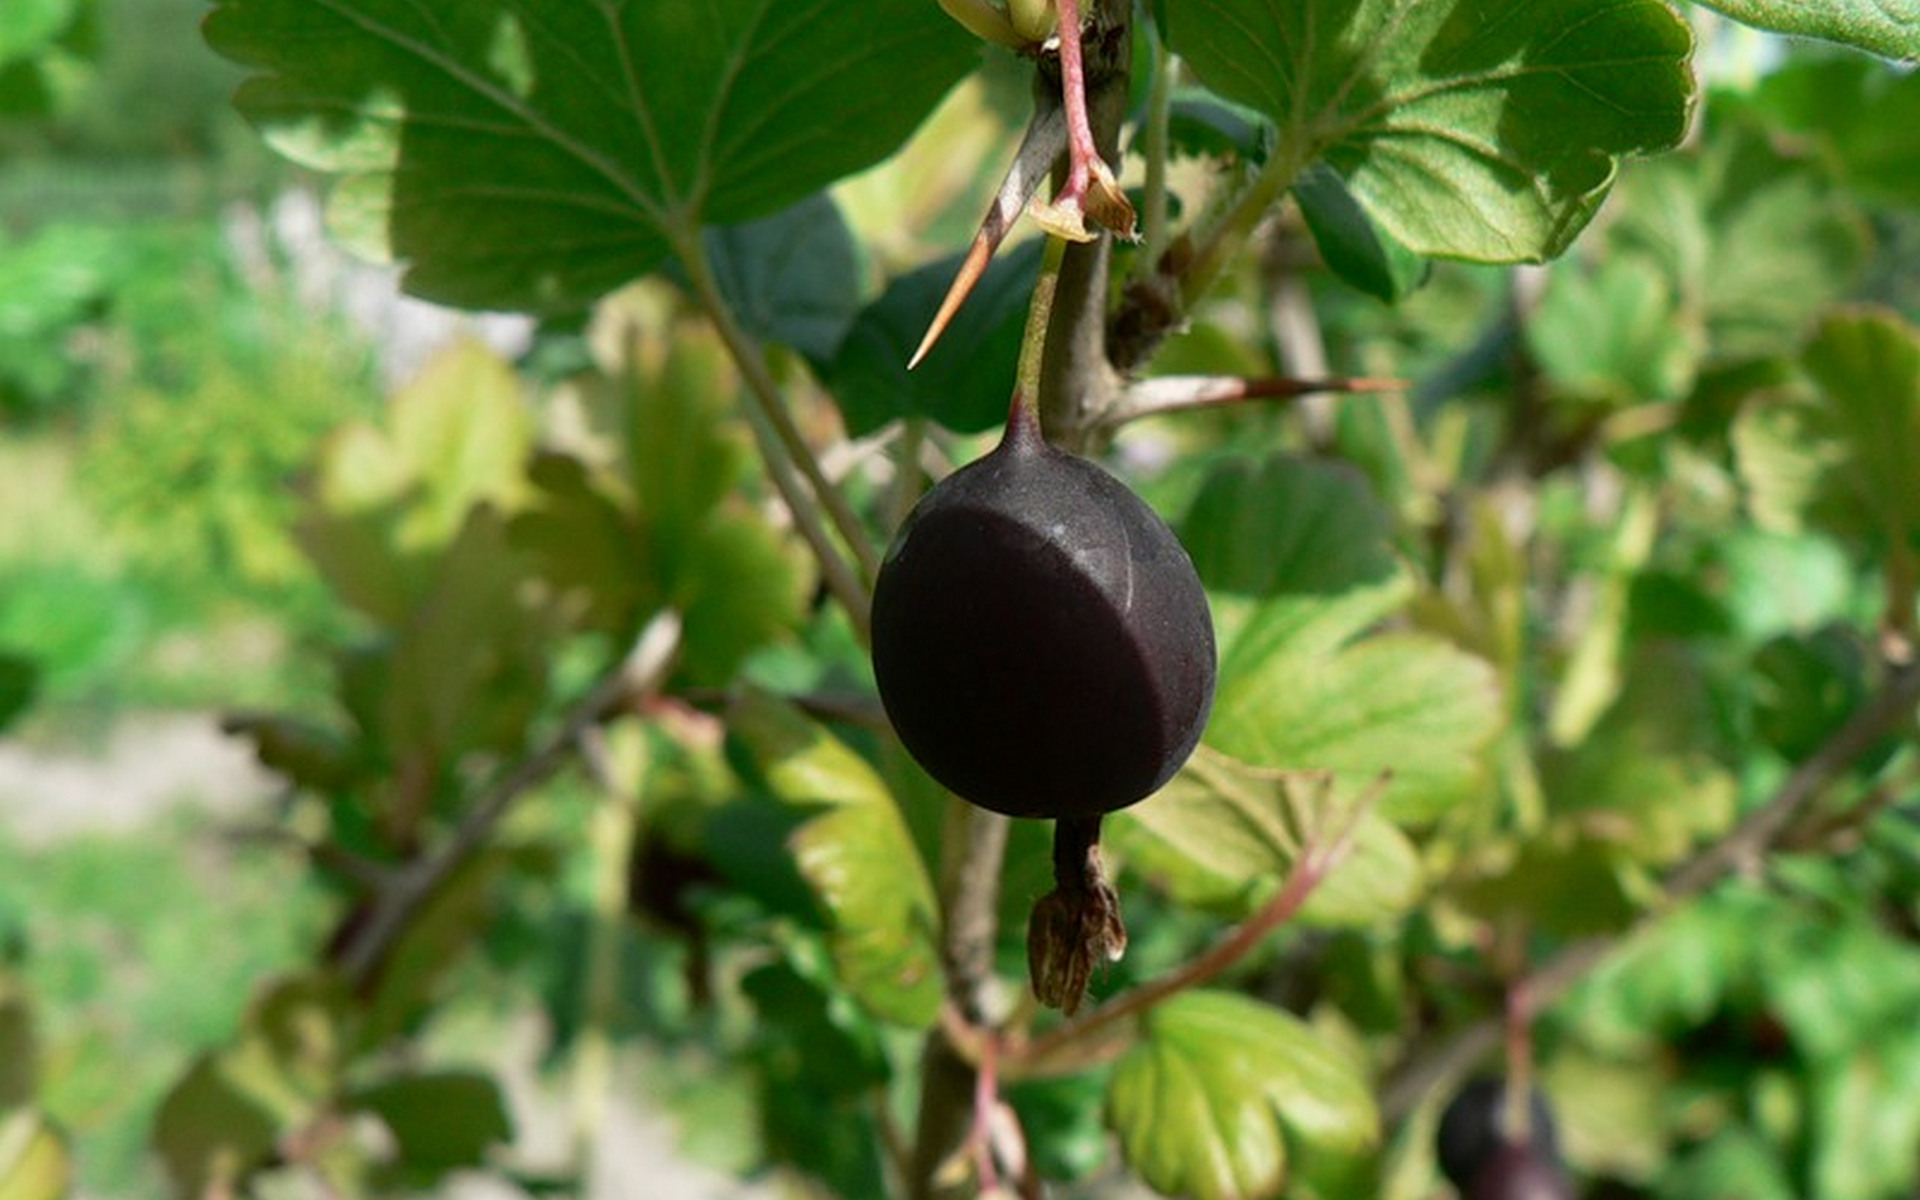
(859, 857)
(1478, 129)
(1225, 835)
(534, 155)
(1220, 1091)
(1401, 704)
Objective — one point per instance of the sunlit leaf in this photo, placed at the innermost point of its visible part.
(1889, 27)
(1296, 691)
(536, 156)
(387, 499)
(1482, 129)
(470, 660)
(1225, 835)
(1221, 1089)
(35, 1162)
(859, 856)
(1867, 1114)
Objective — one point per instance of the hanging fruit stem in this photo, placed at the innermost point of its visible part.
(1077, 926)
(1033, 342)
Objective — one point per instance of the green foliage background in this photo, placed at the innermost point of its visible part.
(570, 700)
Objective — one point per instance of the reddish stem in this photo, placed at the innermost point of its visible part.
(1081, 150)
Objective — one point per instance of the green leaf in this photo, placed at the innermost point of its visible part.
(34, 24)
(1224, 835)
(440, 1122)
(536, 156)
(469, 661)
(792, 278)
(1297, 692)
(1889, 27)
(1696, 217)
(1865, 114)
(35, 1163)
(1867, 362)
(1479, 129)
(966, 382)
(1286, 524)
(1221, 1090)
(455, 436)
(663, 525)
(1786, 582)
(858, 855)
(1560, 884)
(19, 1048)
(388, 500)
(1866, 1114)
(19, 682)
(1352, 243)
(1805, 687)
(1644, 778)
(212, 1130)
(1614, 334)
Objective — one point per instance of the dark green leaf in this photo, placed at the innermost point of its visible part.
(536, 156)
(1352, 243)
(19, 682)
(439, 934)
(1805, 686)
(791, 278)
(1219, 1091)
(1644, 779)
(212, 1130)
(1482, 129)
(1286, 524)
(440, 1122)
(966, 383)
(19, 1049)
(1889, 27)
(1563, 885)
(1200, 123)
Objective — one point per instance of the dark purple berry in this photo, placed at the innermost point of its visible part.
(1040, 639)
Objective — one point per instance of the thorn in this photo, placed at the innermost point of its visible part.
(972, 267)
(1040, 148)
